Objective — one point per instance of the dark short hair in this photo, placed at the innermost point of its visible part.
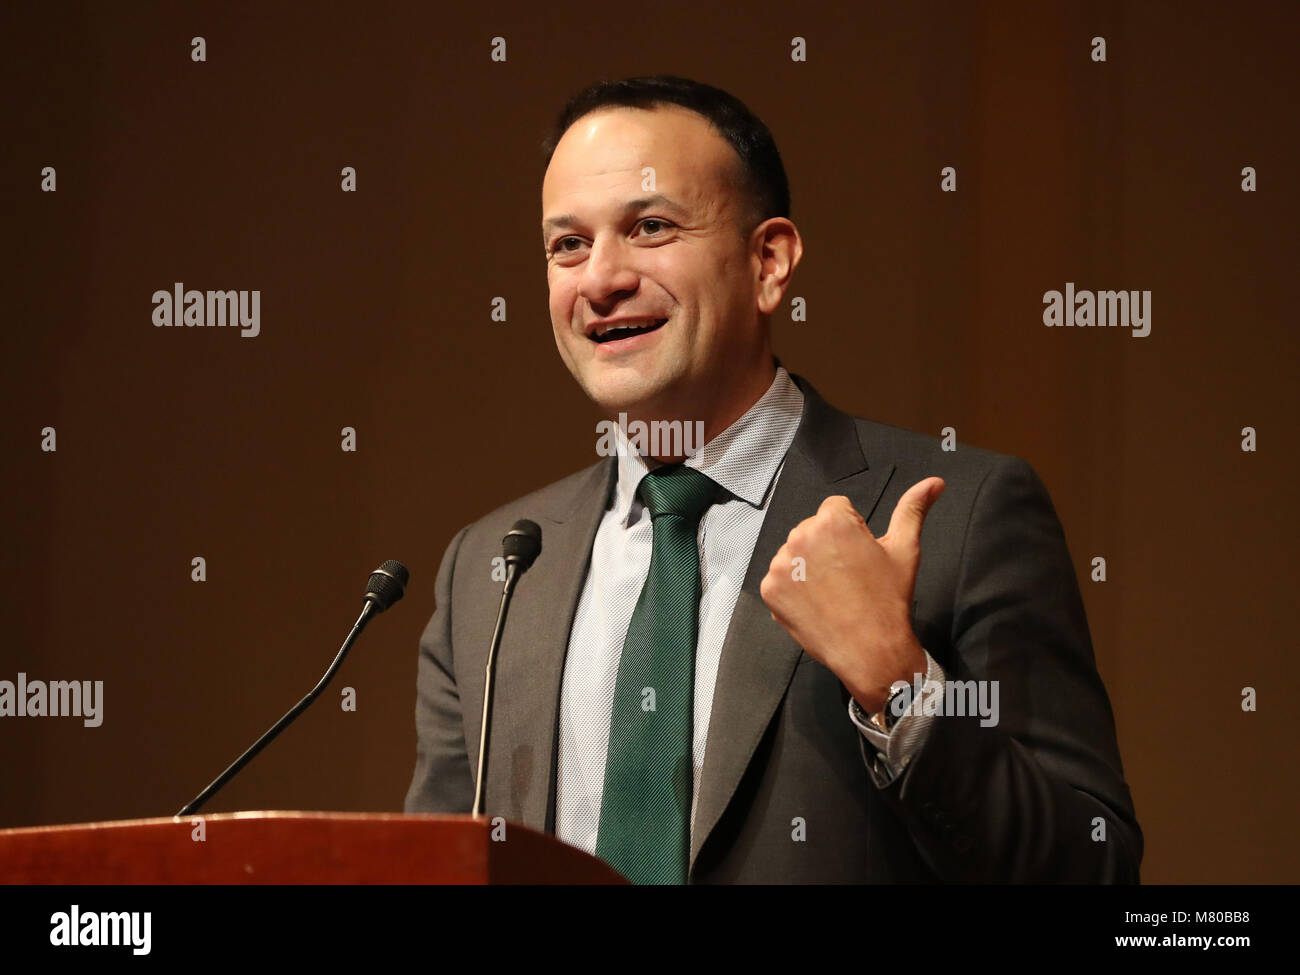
(766, 190)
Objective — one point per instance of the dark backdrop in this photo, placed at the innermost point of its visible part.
(924, 311)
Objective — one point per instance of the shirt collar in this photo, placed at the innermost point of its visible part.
(744, 458)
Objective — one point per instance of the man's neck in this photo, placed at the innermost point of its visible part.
(738, 403)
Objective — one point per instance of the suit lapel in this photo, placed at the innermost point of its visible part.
(758, 655)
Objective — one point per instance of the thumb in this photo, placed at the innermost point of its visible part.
(909, 513)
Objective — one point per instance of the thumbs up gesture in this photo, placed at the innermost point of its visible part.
(845, 596)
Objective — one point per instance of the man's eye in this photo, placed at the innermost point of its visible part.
(652, 225)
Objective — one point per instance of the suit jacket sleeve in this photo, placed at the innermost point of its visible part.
(1040, 796)
(443, 781)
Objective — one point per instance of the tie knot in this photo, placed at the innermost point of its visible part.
(677, 490)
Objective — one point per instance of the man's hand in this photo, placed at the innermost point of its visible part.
(846, 596)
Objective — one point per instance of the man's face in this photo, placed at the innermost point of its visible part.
(673, 254)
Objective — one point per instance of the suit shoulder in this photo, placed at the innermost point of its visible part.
(909, 448)
(554, 501)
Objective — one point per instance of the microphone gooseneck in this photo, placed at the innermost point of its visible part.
(387, 584)
(521, 546)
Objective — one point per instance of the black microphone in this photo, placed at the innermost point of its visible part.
(386, 585)
(521, 545)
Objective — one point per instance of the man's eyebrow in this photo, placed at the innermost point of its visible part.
(564, 221)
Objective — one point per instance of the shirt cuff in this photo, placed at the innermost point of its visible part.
(888, 753)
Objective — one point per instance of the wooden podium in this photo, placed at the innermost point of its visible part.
(295, 848)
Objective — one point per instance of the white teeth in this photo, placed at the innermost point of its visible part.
(601, 330)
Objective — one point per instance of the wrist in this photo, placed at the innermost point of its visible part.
(873, 697)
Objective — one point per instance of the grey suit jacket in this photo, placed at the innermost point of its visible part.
(785, 795)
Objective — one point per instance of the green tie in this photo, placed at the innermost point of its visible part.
(645, 812)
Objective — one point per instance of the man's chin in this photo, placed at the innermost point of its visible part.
(628, 393)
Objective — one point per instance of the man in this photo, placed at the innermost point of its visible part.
(781, 657)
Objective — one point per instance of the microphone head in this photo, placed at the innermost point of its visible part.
(387, 585)
(522, 544)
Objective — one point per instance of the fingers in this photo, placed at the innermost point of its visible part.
(909, 514)
(839, 504)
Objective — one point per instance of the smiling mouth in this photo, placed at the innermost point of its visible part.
(627, 331)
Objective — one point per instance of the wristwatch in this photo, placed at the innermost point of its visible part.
(888, 715)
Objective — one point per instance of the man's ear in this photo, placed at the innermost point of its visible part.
(778, 248)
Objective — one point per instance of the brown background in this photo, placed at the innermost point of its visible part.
(925, 311)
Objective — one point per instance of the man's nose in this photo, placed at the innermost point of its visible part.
(607, 271)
